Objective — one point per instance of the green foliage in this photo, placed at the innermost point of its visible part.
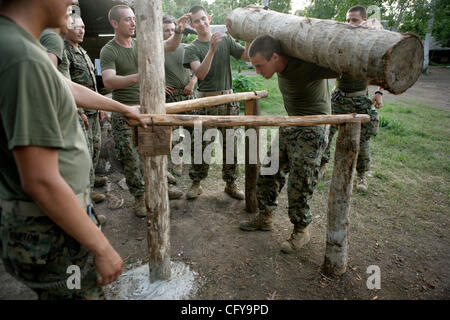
(189, 38)
(394, 125)
(243, 83)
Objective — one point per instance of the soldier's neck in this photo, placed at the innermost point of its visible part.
(123, 41)
(74, 44)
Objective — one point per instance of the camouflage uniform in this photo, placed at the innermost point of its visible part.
(199, 172)
(358, 104)
(128, 154)
(37, 252)
(301, 149)
(82, 72)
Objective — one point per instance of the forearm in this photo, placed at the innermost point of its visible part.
(120, 82)
(202, 71)
(173, 42)
(88, 99)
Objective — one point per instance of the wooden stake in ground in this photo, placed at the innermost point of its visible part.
(152, 82)
(347, 148)
(389, 59)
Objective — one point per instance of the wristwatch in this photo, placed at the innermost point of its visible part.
(177, 31)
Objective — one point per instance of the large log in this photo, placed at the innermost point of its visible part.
(194, 104)
(250, 121)
(389, 59)
(152, 82)
(347, 148)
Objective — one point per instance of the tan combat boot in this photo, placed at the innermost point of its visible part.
(361, 182)
(299, 237)
(263, 221)
(100, 181)
(140, 210)
(174, 192)
(194, 191)
(97, 197)
(232, 189)
(101, 219)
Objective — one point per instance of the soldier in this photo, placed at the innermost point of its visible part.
(44, 225)
(305, 91)
(119, 65)
(209, 58)
(350, 96)
(82, 72)
(179, 82)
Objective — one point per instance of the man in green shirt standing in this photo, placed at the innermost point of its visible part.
(350, 96)
(119, 64)
(305, 91)
(45, 230)
(209, 58)
(82, 71)
(179, 82)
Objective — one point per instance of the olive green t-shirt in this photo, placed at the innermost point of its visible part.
(304, 88)
(55, 44)
(36, 109)
(349, 85)
(125, 62)
(219, 75)
(177, 76)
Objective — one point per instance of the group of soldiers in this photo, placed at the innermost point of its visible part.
(50, 133)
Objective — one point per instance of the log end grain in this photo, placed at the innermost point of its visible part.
(403, 64)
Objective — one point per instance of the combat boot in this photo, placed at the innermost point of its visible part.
(174, 193)
(194, 191)
(100, 181)
(101, 219)
(140, 210)
(361, 182)
(299, 237)
(97, 197)
(232, 189)
(178, 169)
(263, 221)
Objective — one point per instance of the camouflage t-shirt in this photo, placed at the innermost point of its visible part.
(304, 88)
(219, 75)
(55, 45)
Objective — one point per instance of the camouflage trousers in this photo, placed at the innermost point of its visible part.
(93, 135)
(300, 153)
(38, 253)
(199, 172)
(361, 105)
(128, 154)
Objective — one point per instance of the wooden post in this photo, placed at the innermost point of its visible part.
(252, 107)
(347, 148)
(152, 82)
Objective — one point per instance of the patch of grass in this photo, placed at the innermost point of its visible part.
(380, 176)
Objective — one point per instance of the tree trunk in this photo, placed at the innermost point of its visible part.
(152, 82)
(428, 39)
(388, 59)
(251, 121)
(347, 148)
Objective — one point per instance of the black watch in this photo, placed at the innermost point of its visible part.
(178, 32)
(379, 92)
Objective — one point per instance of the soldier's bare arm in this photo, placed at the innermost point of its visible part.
(174, 41)
(112, 81)
(41, 180)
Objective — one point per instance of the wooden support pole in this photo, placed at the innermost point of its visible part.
(347, 148)
(152, 82)
(252, 121)
(194, 104)
(252, 107)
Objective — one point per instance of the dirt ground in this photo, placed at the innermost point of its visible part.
(409, 244)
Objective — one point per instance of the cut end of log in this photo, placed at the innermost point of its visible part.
(404, 65)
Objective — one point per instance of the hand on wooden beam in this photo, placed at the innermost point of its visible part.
(134, 113)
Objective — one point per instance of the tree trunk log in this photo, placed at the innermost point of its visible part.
(252, 121)
(152, 82)
(252, 107)
(388, 59)
(347, 148)
(187, 105)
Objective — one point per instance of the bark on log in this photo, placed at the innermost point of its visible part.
(389, 59)
(250, 121)
(347, 148)
(152, 82)
(182, 106)
(252, 107)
